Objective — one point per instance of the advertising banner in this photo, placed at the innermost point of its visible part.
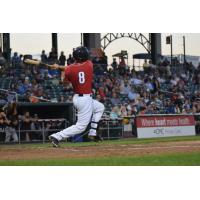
(165, 126)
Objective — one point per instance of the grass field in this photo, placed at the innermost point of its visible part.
(183, 151)
(187, 159)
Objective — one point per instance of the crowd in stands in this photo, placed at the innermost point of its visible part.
(125, 91)
(161, 89)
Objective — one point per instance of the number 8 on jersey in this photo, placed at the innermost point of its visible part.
(81, 76)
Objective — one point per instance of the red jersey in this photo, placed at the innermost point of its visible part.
(80, 75)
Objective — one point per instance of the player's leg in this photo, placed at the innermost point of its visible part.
(8, 134)
(14, 135)
(84, 107)
(97, 112)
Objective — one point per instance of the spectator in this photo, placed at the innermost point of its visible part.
(102, 93)
(143, 111)
(62, 59)
(123, 111)
(122, 66)
(177, 109)
(115, 99)
(70, 60)
(155, 85)
(132, 95)
(125, 88)
(148, 84)
(52, 73)
(145, 64)
(36, 127)
(98, 98)
(44, 57)
(104, 62)
(135, 81)
(150, 109)
(114, 64)
(20, 88)
(96, 61)
(11, 121)
(114, 113)
(2, 124)
(169, 107)
(62, 99)
(26, 127)
(52, 56)
(16, 60)
(174, 80)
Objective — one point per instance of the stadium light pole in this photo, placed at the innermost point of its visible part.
(1, 43)
(6, 45)
(184, 50)
(54, 39)
(171, 42)
(81, 39)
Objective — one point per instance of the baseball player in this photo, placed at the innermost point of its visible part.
(80, 74)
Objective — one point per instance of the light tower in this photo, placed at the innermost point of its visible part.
(1, 41)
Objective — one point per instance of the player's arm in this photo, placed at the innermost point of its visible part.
(64, 76)
(58, 67)
(5, 119)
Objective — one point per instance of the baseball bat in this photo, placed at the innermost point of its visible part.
(36, 62)
(39, 98)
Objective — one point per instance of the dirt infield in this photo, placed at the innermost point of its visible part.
(18, 152)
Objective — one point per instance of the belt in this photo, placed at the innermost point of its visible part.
(81, 95)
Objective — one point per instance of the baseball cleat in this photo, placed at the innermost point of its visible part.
(96, 138)
(54, 141)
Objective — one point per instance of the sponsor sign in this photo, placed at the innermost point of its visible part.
(165, 126)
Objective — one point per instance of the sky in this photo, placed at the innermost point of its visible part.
(34, 43)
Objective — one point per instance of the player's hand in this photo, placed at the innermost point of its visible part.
(54, 66)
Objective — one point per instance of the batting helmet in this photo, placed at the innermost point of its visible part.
(81, 54)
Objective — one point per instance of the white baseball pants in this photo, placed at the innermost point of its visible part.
(88, 110)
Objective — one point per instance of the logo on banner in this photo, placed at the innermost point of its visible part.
(159, 131)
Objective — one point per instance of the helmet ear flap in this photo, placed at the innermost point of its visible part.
(81, 54)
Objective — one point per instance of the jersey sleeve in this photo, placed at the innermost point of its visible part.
(67, 73)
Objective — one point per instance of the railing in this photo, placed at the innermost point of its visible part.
(126, 127)
(109, 128)
(38, 134)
